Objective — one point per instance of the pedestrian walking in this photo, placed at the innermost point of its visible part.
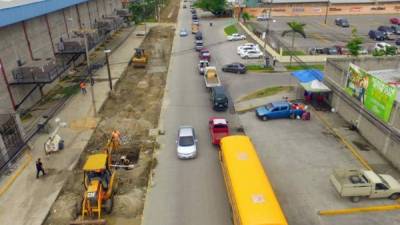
(82, 85)
(39, 168)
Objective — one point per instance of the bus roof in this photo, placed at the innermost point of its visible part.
(251, 189)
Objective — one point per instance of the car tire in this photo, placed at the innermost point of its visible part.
(223, 70)
(394, 196)
(292, 116)
(264, 118)
(355, 199)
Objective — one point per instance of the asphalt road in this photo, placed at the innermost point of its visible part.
(193, 191)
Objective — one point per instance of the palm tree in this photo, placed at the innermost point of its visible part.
(246, 16)
(295, 28)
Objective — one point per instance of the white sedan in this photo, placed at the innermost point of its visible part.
(236, 37)
(247, 46)
(251, 54)
(381, 46)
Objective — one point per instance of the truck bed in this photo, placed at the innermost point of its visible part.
(344, 183)
(212, 81)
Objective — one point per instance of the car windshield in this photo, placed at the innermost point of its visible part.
(186, 141)
(269, 106)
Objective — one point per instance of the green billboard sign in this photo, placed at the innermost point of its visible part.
(373, 93)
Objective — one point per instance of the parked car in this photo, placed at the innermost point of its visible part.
(195, 17)
(397, 42)
(211, 78)
(247, 46)
(236, 37)
(234, 68)
(342, 22)
(316, 51)
(396, 29)
(193, 11)
(198, 45)
(218, 98)
(183, 32)
(376, 35)
(363, 51)
(354, 183)
(381, 46)
(262, 18)
(218, 127)
(330, 51)
(196, 21)
(205, 54)
(186, 143)
(251, 54)
(280, 109)
(395, 20)
(342, 50)
(198, 35)
(202, 65)
(386, 30)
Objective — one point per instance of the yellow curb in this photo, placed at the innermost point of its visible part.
(349, 146)
(11, 180)
(358, 210)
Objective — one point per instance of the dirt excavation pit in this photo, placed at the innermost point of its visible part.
(133, 108)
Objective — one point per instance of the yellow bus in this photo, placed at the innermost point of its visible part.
(250, 193)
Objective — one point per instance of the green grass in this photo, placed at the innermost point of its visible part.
(307, 67)
(296, 52)
(229, 30)
(267, 92)
(259, 68)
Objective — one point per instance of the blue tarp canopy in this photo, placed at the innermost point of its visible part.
(305, 76)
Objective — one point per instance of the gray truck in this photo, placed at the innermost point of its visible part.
(357, 183)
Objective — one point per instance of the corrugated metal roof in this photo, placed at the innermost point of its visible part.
(14, 11)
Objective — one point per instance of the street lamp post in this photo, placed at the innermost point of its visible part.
(107, 51)
(90, 72)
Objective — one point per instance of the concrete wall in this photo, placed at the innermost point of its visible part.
(319, 9)
(14, 45)
(388, 146)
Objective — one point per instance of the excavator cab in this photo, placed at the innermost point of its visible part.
(99, 184)
(139, 58)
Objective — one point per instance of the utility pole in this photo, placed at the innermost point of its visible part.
(107, 51)
(326, 11)
(85, 32)
(267, 27)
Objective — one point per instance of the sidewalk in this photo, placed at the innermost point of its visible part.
(28, 200)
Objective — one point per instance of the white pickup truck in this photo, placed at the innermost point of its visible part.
(211, 77)
(356, 183)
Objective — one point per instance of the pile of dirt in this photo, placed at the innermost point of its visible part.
(133, 108)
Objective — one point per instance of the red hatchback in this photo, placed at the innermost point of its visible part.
(205, 54)
(395, 20)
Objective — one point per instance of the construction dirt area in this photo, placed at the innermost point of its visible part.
(133, 108)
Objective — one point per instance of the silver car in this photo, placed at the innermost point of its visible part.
(186, 144)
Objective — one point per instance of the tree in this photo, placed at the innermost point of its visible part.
(295, 28)
(216, 7)
(246, 16)
(142, 9)
(354, 45)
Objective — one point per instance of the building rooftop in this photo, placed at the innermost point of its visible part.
(14, 11)
(391, 76)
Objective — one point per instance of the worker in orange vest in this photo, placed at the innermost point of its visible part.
(82, 85)
(115, 138)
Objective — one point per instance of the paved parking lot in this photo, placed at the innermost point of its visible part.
(299, 156)
(320, 34)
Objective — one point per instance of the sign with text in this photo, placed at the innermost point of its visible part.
(376, 95)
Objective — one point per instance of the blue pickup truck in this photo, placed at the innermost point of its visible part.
(282, 109)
